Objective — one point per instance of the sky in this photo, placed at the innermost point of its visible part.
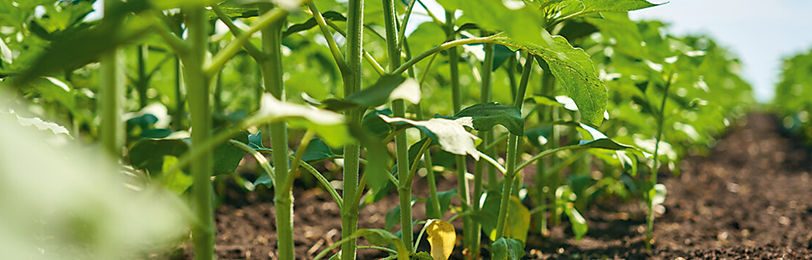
(760, 32)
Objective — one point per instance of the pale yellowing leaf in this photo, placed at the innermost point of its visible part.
(441, 238)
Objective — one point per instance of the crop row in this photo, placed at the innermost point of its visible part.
(539, 109)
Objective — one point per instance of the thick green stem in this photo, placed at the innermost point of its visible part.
(272, 78)
(198, 85)
(112, 96)
(656, 166)
(513, 152)
(352, 84)
(399, 110)
(462, 181)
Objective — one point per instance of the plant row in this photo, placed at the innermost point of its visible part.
(537, 109)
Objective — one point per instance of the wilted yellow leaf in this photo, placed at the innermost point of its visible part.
(441, 238)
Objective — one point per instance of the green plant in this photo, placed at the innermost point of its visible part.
(292, 80)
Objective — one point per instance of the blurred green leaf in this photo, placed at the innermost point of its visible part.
(445, 200)
(177, 181)
(487, 115)
(387, 88)
(579, 226)
(507, 249)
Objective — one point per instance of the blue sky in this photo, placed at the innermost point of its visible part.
(760, 32)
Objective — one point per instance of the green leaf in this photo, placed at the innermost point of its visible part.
(518, 220)
(539, 136)
(572, 68)
(579, 226)
(487, 216)
(518, 217)
(373, 123)
(227, 157)
(596, 6)
(444, 198)
(255, 141)
(378, 237)
(387, 88)
(85, 46)
(177, 181)
(507, 249)
(317, 151)
(487, 115)
(329, 125)
(450, 134)
(149, 154)
(392, 218)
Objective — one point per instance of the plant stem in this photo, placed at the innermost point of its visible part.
(112, 96)
(141, 82)
(272, 78)
(456, 92)
(512, 152)
(401, 146)
(352, 84)
(656, 167)
(543, 186)
(203, 231)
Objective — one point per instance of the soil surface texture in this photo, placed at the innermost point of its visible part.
(749, 197)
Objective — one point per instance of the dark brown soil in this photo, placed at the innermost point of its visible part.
(750, 198)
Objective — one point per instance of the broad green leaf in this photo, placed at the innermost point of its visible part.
(487, 216)
(579, 226)
(255, 141)
(374, 124)
(54, 90)
(317, 151)
(450, 134)
(422, 256)
(500, 55)
(597, 6)
(387, 88)
(444, 198)
(310, 23)
(486, 115)
(518, 220)
(539, 136)
(658, 194)
(329, 125)
(149, 154)
(83, 47)
(520, 20)
(177, 181)
(227, 157)
(572, 68)
(378, 237)
(392, 218)
(547, 101)
(507, 249)
(442, 238)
